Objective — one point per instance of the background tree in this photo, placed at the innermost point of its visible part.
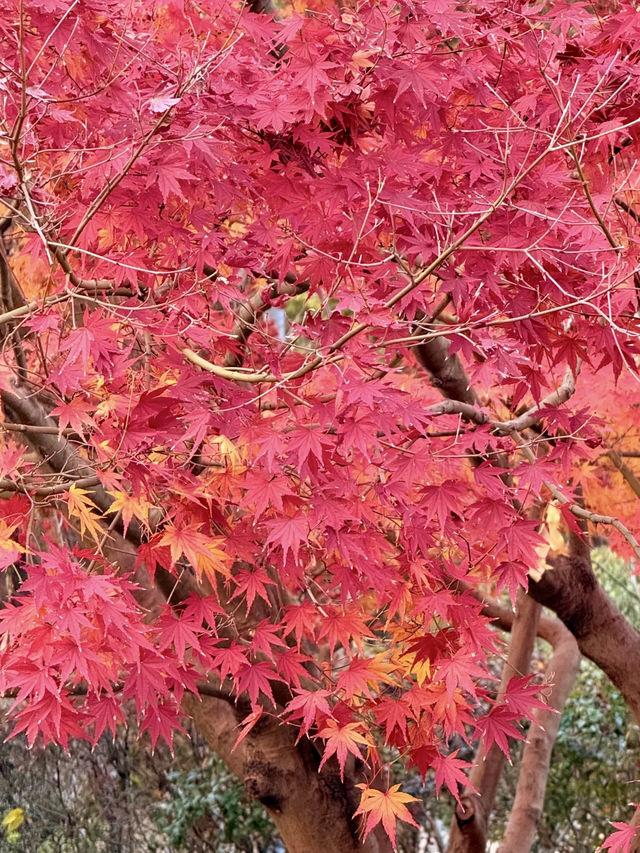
(207, 515)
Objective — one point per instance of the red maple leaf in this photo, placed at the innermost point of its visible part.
(387, 807)
(449, 772)
(255, 678)
(498, 726)
(288, 533)
(311, 705)
(622, 839)
(342, 740)
(252, 582)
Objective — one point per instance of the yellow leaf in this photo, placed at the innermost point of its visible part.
(229, 453)
(13, 820)
(407, 660)
(7, 544)
(106, 406)
(555, 544)
(557, 528)
(421, 670)
(84, 509)
(129, 506)
(168, 377)
(235, 228)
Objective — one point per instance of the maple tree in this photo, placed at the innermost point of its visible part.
(320, 335)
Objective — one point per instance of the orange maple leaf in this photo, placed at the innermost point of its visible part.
(363, 675)
(213, 560)
(386, 806)
(130, 507)
(200, 550)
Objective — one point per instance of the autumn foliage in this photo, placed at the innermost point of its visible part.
(318, 328)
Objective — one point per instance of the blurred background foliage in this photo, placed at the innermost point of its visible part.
(120, 798)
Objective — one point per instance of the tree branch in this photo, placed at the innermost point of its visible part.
(571, 589)
(63, 459)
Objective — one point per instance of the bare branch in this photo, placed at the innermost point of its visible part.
(553, 400)
(625, 470)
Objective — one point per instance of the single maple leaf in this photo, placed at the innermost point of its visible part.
(520, 696)
(130, 506)
(264, 490)
(342, 740)
(94, 339)
(170, 173)
(75, 413)
(300, 619)
(229, 661)
(394, 714)
(256, 678)
(622, 839)
(449, 772)
(289, 532)
(266, 640)
(342, 627)
(252, 582)
(442, 500)
(187, 540)
(308, 704)
(309, 70)
(182, 632)
(293, 667)
(213, 560)
(310, 444)
(497, 727)
(274, 113)
(386, 806)
(459, 671)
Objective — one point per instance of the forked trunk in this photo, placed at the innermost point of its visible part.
(313, 811)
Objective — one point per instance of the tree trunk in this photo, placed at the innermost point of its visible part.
(470, 823)
(572, 591)
(313, 811)
(522, 827)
